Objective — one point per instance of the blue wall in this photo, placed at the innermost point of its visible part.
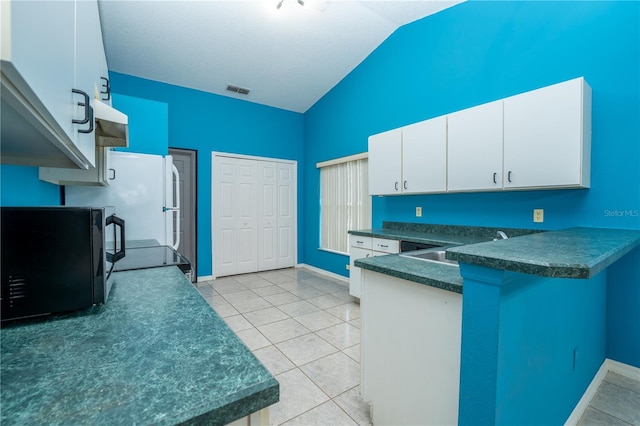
(526, 358)
(477, 52)
(206, 122)
(20, 186)
(148, 124)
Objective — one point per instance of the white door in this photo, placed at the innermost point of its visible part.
(475, 148)
(223, 210)
(247, 218)
(253, 212)
(543, 132)
(45, 59)
(385, 163)
(286, 215)
(267, 215)
(424, 156)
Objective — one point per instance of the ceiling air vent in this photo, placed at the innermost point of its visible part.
(236, 89)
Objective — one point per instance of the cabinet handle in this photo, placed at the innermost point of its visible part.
(88, 112)
(494, 178)
(368, 254)
(405, 184)
(114, 174)
(396, 186)
(359, 242)
(509, 176)
(382, 245)
(107, 89)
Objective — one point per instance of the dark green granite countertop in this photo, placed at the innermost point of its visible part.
(446, 277)
(444, 235)
(571, 253)
(155, 353)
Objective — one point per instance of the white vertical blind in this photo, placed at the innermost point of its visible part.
(345, 202)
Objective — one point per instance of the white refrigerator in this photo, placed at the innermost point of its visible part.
(144, 190)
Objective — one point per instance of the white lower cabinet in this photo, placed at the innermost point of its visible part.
(411, 341)
(362, 247)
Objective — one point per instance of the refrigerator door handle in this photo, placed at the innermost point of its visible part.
(176, 207)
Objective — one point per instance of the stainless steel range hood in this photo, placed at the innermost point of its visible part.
(112, 126)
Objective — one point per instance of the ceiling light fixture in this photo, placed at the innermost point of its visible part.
(300, 2)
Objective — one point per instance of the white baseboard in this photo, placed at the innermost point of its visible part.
(204, 278)
(608, 365)
(623, 369)
(323, 272)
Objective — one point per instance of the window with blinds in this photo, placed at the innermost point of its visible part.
(344, 200)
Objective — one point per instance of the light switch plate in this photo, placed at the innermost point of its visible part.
(418, 211)
(538, 215)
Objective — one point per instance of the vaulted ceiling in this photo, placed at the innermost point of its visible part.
(288, 57)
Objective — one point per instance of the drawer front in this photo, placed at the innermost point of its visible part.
(360, 241)
(386, 246)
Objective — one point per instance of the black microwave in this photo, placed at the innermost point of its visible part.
(56, 259)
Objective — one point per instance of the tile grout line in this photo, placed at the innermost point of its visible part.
(287, 292)
(608, 414)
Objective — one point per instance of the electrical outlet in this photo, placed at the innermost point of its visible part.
(538, 215)
(418, 211)
(348, 267)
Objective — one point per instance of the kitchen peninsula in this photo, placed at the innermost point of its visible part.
(155, 353)
(514, 335)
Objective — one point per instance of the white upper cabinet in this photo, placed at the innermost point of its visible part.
(385, 163)
(475, 148)
(39, 72)
(409, 160)
(547, 137)
(535, 140)
(424, 156)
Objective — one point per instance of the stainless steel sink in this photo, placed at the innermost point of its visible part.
(430, 255)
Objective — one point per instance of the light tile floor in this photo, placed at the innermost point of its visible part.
(305, 328)
(616, 402)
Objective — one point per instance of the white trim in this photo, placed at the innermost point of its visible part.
(579, 409)
(323, 272)
(333, 251)
(608, 365)
(341, 160)
(204, 278)
(251, 157)
(623, 369)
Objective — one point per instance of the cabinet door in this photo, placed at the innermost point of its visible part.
(545, 131)
(475, 148)
(424, 156)
(385, 163)
(355, 273)
(94, 176)
(44, 59)
(89, 54)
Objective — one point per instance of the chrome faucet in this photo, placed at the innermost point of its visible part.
(500, 236)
